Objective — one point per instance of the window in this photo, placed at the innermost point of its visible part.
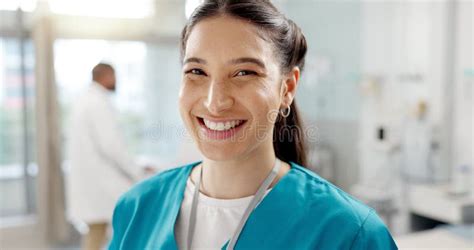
(25, 5)
(104, 8)
(17, 125)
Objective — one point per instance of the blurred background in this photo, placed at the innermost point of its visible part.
(387, 90)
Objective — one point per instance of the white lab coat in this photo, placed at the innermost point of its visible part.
(100, 168)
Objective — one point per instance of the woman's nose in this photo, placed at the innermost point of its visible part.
(218, 98)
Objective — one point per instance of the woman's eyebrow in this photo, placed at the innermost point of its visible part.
(195, 60)
(248, 60)
(233, 61)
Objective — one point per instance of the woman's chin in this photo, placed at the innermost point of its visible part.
(220, 153)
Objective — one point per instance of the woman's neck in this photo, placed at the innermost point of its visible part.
(237, 178)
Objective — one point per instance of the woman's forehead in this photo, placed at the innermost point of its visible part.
(226, 38)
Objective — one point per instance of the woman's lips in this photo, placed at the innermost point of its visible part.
(219, 132)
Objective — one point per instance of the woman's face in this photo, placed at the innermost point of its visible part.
(231, 89)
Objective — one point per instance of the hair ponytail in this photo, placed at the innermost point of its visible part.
(299, 46)
(288, 137)
(288, 140)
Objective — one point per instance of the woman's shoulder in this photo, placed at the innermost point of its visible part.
(322, 195)
(338, 213)
(148, 200)
(156, 185)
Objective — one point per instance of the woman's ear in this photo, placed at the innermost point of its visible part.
(290, 83)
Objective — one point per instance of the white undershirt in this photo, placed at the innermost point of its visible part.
(216, 219)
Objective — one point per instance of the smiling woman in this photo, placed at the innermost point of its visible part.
(232, 75)
(242, 62)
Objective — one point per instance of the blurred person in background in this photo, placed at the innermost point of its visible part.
(100, 166)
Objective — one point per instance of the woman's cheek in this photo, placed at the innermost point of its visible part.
(188, 88)
(267, 94)
(269, 103)
(186, 100)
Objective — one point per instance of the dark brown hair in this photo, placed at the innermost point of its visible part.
(290, 47)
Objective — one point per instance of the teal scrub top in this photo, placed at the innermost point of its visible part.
(302, 211)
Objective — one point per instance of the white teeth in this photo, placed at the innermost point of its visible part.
(222, 126)
(212, 125)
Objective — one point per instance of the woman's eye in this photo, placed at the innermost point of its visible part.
(246, 72)
(195, 72)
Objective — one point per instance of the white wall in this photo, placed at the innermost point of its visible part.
(406, 48)
(463, 86)
(328, 96)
